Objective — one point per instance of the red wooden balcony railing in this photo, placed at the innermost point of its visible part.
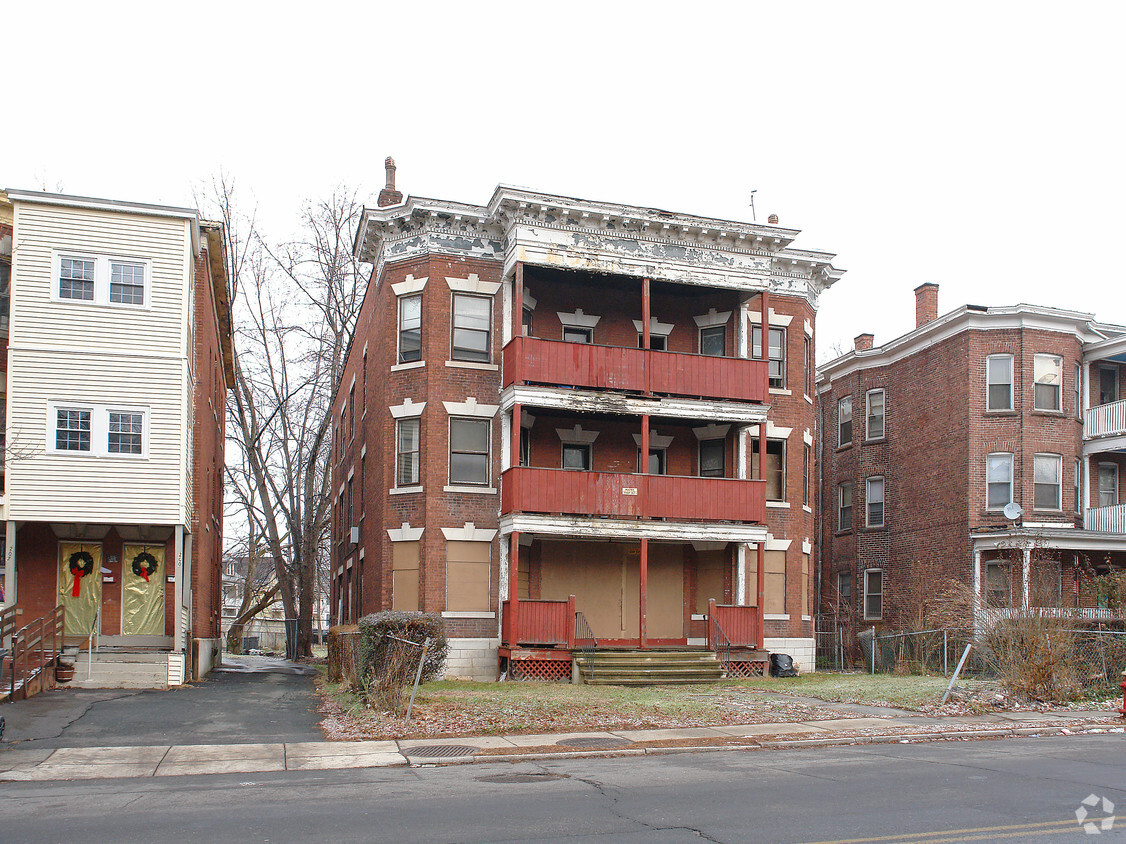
(532, 490)
(533, 360)
(742, 625)
(539, 623)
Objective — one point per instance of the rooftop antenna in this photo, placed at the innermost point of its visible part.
(753, 217)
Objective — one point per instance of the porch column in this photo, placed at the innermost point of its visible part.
(644, 588)
(764, 349)
(1026, 564)
(978, 602)
(513, 586)
(515, 454)
(1086, 482)
(645, 313)
(517, 321)
(178, 590)
(10, 564)
(741, 574)
(762, 587)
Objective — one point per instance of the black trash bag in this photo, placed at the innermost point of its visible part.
(782, 665)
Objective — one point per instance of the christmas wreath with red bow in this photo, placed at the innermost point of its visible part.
(81, 564)
(144, 564)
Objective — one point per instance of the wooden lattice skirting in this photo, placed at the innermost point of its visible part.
(542, 670)
(747, 669)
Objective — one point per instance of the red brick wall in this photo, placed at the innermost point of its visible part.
(207, 460)
(933, 459)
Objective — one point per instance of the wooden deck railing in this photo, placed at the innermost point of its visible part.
(544, 623)
(741, 624)
(35, 647)
(1105, 420)
(527, 489)
(538, 361)
(1106, 519)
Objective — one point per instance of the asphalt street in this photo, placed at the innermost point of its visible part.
(1013, 790)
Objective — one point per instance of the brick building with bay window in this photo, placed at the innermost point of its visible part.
(927, 438)
(551, 418)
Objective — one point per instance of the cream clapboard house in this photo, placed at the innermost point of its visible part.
(118, 360)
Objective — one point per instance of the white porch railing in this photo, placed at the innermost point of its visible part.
(992, 615)
(1106, 519)
(1106, 420)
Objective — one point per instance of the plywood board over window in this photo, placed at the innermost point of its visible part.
(710, 567)
(467, 576)
(404, 576)
(775, 598)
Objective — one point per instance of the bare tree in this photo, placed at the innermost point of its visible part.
(295, 307)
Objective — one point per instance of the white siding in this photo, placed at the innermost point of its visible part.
(84, 353)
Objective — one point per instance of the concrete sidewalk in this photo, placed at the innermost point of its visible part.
(64, 763)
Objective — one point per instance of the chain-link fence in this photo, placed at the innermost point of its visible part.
(1093, 656)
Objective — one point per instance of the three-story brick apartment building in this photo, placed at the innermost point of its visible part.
(549, 397)
(928, 437)
(115, 368)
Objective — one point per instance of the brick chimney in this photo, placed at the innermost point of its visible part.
(926, 304)
(772, 220)
(389, 196)
(862, 342)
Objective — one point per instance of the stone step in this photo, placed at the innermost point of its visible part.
(649, 668)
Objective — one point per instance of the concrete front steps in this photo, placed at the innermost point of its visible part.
(114, 669)
(649, 668)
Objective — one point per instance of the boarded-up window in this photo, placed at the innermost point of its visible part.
(775, 475)
(467, 576)
(805, 584)
(775, 598)
(404, 576)
(709, 578)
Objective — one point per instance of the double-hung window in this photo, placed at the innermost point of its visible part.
(774, 473)
(999, 480)
(578, 334)
(101, 280)
(656, 464)
(98, 430)
(713, 458)
(1046, 481)
(713, 341)
(999, 382)
(410, 328)
(576, 456)
(1108, 484)
(808, 367)
(874, 415)
(72, 430)
(844, 506)
(469, 451)
(407, 452)
(1047, 371)
(844, 421)
(874, 500)
(775, 354)
(873, 594)
(472, 326)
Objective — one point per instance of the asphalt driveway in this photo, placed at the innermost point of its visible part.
(248, 700)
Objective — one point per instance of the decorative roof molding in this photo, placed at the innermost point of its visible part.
(968, 318)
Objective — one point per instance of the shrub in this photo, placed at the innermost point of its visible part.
(388, 666)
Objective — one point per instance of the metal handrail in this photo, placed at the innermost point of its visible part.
(93, 641)
(32, 636)
(585, 641)
(719, 644)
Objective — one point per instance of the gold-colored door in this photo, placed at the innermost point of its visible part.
(80, 585)
(142, 590)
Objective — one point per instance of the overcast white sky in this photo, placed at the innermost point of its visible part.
(977, 145)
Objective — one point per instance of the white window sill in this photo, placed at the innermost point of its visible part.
(808, 399)
(807, 508)
(478, 490)
(467, 364)
(774, 391)
(414, 364)
(807, 618)
(778, 505)
(451, 614)
(776, 616)
(698, 616)
(404, 490)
